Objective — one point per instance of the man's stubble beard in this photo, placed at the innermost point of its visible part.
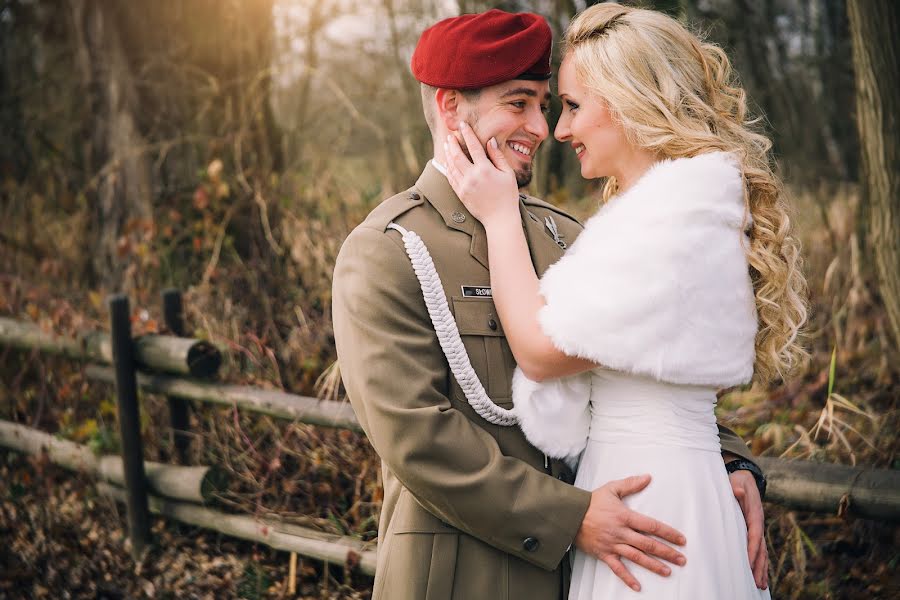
(523, 174)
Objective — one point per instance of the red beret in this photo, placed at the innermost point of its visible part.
(475, 51)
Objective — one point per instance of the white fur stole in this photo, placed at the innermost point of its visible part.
(657, 284)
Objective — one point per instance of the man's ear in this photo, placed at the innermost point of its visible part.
(448, 107)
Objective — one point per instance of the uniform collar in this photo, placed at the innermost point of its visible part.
(434, 186)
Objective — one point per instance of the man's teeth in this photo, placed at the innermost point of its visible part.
(579, 150)
(520, 148)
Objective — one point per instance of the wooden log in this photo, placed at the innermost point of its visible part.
(129, 417)
(173, 316)
(273, 403)
(838, 489)
(281, 536)
(177, 355)
(193, 484)
(163, 353)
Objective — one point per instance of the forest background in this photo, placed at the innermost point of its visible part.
(226, 148)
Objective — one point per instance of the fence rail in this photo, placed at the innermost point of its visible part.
(859, 491)
(268, 402)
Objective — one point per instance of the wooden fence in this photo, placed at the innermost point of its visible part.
(172, 366)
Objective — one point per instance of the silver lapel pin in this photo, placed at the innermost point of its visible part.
(554, 231)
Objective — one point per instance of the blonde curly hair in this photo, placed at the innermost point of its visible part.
(678, 96)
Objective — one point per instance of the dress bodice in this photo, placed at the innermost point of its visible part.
(638, 410)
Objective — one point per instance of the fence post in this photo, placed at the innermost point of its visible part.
(129, 425)
(173, 316)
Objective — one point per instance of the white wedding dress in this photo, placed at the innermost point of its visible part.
(657, 290)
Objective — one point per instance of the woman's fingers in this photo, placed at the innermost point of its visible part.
(455, 155)
(473, 144)
(496, 156)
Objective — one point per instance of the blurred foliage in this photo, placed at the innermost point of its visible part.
(266, 139)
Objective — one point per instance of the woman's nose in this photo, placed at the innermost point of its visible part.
(562, 132)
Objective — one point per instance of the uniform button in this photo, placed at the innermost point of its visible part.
(414, 196)
(493, 325)
(531, 544)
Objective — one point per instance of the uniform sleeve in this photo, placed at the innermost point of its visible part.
(396, 378)
(732, 442)
(554, 414)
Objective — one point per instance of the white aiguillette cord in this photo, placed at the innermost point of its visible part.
(448, 333)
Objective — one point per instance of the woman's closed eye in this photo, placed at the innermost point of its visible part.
(571, 106)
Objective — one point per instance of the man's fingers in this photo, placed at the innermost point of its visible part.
(761, 569)
(653, 547)
(640, 522)
(476, 151)
(629, 485)
(639, 558)
(755, 542)
(621, 572)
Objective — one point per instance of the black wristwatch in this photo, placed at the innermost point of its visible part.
(742, 464)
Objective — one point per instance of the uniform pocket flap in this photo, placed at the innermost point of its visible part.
(477, 316)
(410, 517)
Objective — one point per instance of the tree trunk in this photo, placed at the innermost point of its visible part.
(117, 150)
(792, 57)
(874, 27)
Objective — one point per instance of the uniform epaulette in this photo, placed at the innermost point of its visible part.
(532, 201)
(391, 208)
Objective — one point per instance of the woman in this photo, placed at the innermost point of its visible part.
(686, 281)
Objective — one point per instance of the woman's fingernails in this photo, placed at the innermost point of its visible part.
(462, 124)
(493, 143)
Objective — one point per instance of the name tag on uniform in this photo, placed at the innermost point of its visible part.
(476, 291)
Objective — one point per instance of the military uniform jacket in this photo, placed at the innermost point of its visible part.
(471, 510)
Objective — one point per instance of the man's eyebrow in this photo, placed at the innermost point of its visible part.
(525, 91)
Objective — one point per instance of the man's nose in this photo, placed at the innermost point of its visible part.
(537, 126)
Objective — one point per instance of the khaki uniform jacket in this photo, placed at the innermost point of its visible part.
(471, 510)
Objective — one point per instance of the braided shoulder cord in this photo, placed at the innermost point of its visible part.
(448, 333)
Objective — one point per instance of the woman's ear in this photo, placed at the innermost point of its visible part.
(448, 107)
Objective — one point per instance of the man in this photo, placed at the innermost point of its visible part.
(471, 510)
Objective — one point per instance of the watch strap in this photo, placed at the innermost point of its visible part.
(742, 464)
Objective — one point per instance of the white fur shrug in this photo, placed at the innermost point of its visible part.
(658, 285)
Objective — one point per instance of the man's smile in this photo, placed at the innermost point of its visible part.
(523, 149)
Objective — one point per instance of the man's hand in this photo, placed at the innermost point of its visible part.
(611, 531)
(747, 494)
